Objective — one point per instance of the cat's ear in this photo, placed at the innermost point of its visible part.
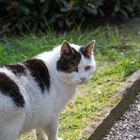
(65, 48)
(88, 51)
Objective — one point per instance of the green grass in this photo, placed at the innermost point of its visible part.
(117, 57)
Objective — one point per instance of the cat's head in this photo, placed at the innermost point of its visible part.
(76, 63)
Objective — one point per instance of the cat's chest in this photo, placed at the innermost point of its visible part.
(44, 107)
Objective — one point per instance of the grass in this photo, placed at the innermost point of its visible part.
(117, 57)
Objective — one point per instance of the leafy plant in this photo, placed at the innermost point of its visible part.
(125, 7)
(17, 16)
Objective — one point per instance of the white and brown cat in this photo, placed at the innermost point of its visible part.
(34, 92)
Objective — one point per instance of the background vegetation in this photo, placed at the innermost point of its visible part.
(39, 16)
(117, 55)
(116, 51)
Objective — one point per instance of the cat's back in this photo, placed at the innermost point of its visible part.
(8, 84)
(18, 82)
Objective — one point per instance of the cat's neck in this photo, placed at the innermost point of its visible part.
(59, 82)
(50, 62)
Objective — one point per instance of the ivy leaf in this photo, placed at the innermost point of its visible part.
(24, 10)
(29, 1)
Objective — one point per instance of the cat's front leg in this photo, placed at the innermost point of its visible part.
(51, 130)
(40, 134)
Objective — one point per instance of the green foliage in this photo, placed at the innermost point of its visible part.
(125, 8)
(117, 56)
(17, 16)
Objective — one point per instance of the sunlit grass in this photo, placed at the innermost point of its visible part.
(116, 59)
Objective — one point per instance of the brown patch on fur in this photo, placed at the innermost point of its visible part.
(17, 69)
(9, 88)
(40, 73)
(69, 62)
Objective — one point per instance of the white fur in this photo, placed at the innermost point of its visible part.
(41, 110)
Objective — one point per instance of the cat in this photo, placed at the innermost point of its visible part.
(35, 91)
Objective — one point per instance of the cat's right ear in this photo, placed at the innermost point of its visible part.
(65, 48)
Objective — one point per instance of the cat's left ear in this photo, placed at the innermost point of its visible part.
(89, 48)
(65, 48)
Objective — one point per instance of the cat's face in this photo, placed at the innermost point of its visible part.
(76, 63)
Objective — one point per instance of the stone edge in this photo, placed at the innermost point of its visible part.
(127, 92)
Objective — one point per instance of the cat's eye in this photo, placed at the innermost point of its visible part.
(87, 68)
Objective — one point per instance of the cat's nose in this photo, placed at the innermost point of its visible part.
(83, 79)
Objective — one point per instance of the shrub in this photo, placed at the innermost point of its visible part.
(17, 16)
